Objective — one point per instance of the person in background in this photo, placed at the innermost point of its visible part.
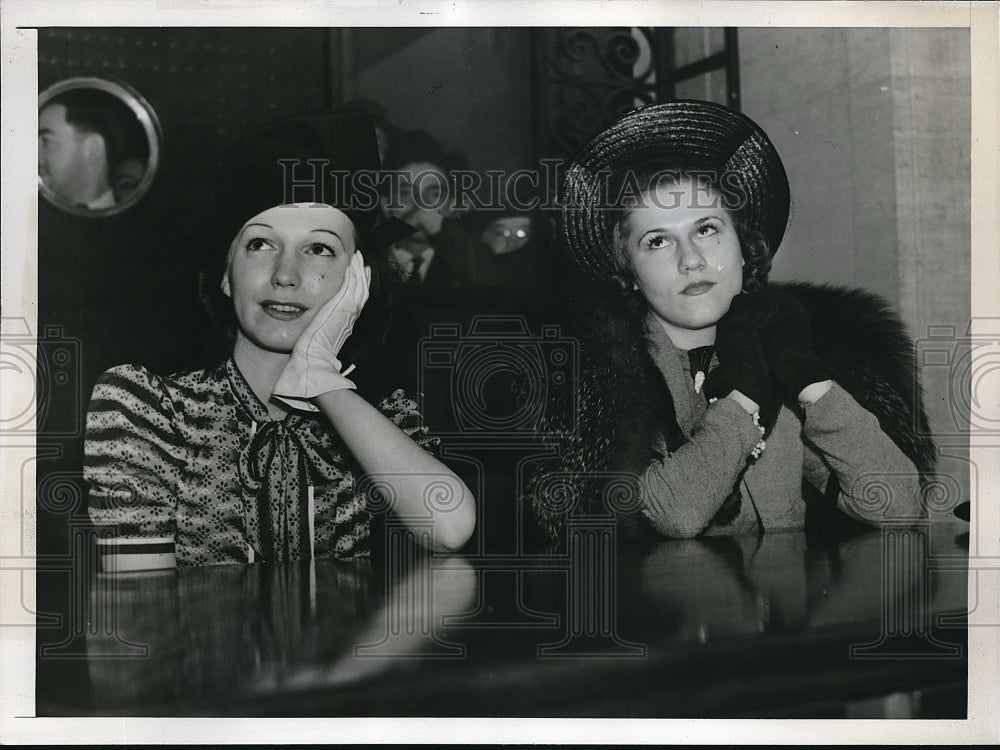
(126, 177)
(437, 254)
(273, 454)
(506, 241)
(708, 401)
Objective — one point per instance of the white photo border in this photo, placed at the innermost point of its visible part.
(19, 295)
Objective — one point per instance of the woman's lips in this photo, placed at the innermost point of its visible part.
(698, 287)
(282, 310)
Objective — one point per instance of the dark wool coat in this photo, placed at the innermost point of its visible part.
(605, 434)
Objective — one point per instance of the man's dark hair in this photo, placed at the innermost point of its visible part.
(420, 146)
(96, 111)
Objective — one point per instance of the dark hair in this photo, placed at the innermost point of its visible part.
(417, 146)
(96, 111)
(753, 243)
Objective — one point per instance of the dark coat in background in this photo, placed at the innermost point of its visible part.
(605, 433)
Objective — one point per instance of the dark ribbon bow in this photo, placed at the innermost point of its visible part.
(273, 468)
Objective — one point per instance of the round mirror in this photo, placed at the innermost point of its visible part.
(99, 146)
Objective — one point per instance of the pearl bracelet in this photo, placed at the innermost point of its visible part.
(761, 445)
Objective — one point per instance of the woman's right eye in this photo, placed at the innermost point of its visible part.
(258, 243)
(656, 241)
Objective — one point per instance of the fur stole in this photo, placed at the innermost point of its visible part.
(606, 436)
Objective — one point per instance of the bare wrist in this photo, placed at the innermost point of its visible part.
(748, 404)
(814, 392)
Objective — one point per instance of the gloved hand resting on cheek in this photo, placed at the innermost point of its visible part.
(314, 367)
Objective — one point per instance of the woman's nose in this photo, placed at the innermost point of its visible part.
(286, 270)
(690, 258)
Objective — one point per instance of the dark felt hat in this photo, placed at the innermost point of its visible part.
(308, 158)
(688, 135)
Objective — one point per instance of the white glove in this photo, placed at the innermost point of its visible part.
(314, 368)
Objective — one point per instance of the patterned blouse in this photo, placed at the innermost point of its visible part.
(197, 459)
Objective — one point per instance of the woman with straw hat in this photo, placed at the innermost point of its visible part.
(707, 398)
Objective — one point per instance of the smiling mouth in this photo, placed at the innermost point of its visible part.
(698, 287)
(282, 310)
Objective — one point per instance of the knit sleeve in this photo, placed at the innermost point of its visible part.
(682, 492)
(402, 411)
(132, 455)
(877, 481)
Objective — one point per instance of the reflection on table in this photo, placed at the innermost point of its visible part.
(782, 625)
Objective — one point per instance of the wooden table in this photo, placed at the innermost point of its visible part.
(781, 626)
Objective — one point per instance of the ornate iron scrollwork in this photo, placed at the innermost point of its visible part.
(589, 78)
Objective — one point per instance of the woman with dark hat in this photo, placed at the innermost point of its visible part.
(273, 455)
(709, 401)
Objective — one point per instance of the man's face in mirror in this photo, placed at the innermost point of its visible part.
(72, 163)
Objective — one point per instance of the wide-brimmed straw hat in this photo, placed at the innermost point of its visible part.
(694, 136)
(276, 163)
